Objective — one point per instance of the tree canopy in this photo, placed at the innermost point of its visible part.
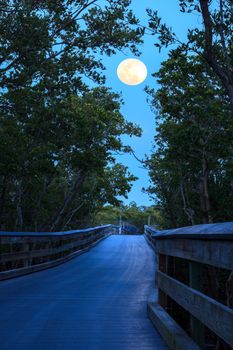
(191, 165)
(212, 42)
(58, 135)
(131, 217)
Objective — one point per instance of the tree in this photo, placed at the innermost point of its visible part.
(213, 43)
(133, 217)
(59, 40)
(66, 160)
(192, 157)
(58, 136)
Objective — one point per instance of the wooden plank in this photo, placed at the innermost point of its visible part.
(175, 337)
(163, 266)
(40, 253)
(216, 253)
(34, 268)
(95, 302)
(6, 257)
(216, 316)
(107, 228)
(18, 239)
(222, 230)
(150, 241)
(195, 281)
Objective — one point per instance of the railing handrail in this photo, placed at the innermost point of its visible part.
(216, 231)
(197, 250)
(50, 234)
(26, 252)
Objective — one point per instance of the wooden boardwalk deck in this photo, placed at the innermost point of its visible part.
(95, 302)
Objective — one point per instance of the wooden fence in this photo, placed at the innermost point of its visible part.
(26, 252)
(195, 286)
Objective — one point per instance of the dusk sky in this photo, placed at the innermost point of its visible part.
(136, 108)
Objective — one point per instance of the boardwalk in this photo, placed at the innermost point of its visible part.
(94, 302)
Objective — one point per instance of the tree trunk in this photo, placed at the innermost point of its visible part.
(188, 211)
(223, 71)
(69, 216)
(230, 91)
(58, 218)
(2, 198)
(37, 210)
(19, 210)
(204, 193)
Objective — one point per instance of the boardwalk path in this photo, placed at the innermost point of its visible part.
(94, 302)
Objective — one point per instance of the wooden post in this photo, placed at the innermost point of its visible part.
(195, 281)
(162, 297)
(25, 248)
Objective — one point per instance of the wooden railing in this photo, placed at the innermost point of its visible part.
(25, 252)
(195, 286)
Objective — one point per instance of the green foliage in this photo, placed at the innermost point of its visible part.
(191, 166)
(212, 42)
(131, 216)
(58, 136)
(55, 42)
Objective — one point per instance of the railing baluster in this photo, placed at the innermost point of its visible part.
(197, 329)
(198, 250)
(42, 250)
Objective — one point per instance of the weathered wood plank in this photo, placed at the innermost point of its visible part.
(213, 314)
(34, 268)
(29, 254)
(150, 241)
(94, 302)
(59, 234)
(222, 231)
(43, 238)
(216, 253)
(175, 337)
(195, 281)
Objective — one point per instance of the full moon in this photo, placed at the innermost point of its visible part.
(132, 71)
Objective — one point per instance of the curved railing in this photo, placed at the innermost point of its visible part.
(195, 286)
(25, 252)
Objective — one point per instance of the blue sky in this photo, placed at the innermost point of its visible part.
(136, 108)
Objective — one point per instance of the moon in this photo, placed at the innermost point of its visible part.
(132, 71)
